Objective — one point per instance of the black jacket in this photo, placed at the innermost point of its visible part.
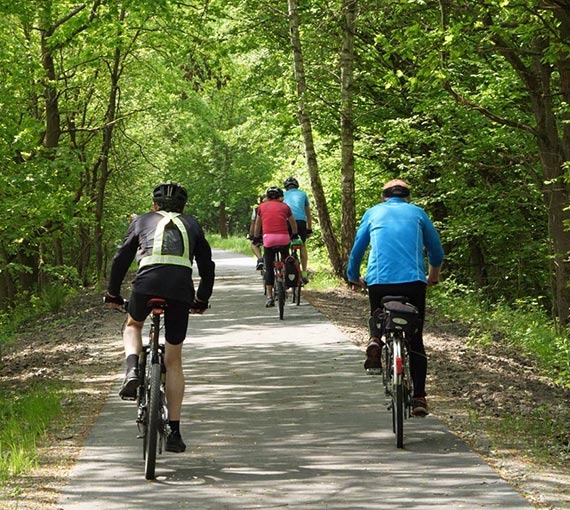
(163, 280)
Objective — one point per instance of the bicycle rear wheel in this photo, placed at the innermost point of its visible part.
(142, 399)
(398, 396)
(154, 409)
(280, 293)
(297, 294)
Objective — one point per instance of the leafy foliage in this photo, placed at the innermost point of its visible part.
(204, 94)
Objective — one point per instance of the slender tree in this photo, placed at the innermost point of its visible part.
(348, 215)
(304, 116)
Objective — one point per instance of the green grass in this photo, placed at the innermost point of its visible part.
(237, 244)
(24, 420)
(25, 416)
(545, 436)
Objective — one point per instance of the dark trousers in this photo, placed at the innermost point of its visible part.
(416, 294)
(269, 258)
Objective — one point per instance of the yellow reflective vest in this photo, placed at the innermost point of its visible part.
(157, 257)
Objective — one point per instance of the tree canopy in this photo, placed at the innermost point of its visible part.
(102, 100)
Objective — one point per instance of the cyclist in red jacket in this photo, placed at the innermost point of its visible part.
(274, 218)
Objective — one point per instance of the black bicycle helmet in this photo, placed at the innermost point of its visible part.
(170, 196)
(291, 182)
(274, 192)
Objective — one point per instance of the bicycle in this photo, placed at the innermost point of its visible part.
(279, 283)
(152, 413)
(397, 319)
(295, 280)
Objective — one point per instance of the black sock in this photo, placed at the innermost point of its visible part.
(174, 425)
(132, 361)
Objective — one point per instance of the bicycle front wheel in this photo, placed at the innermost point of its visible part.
(154, 409)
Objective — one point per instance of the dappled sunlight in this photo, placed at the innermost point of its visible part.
(280, 414)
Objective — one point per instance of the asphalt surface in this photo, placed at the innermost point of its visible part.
(279, 414)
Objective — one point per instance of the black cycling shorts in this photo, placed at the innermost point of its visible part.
(301, 229)
(175, 316)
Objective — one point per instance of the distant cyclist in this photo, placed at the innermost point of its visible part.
(274, 218)
(164, 242)
(298, 201)
(397, 233)
(255, 243)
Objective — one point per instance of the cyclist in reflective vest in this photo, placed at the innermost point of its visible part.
(165, 242)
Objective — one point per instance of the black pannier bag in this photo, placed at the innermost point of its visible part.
(292, 273)
(401, 316)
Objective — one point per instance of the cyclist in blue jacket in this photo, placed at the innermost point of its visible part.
(298, 201)
(397, 232)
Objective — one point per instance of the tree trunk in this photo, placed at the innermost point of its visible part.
(310, 154)
(348, 208)
(53, 128)
(223, 220)
(84, 255)
(554, 155)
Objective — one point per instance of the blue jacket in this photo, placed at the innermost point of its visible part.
(397, 233)
(297, 200)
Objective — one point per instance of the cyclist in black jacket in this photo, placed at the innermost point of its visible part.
(164, 242)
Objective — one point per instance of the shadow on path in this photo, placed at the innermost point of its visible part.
(279, 414)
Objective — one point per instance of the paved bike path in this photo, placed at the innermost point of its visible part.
(279, 414)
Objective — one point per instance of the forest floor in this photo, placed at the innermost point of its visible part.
(472, 390)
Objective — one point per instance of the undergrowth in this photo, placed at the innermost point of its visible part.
(523, 325)
(51, 300)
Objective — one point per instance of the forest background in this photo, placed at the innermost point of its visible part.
(470, 104)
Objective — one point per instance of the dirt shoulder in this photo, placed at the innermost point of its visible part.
(82, 349)
(472, 391)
